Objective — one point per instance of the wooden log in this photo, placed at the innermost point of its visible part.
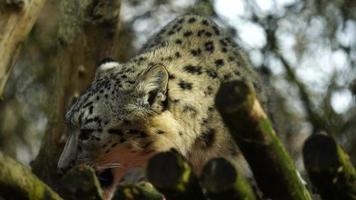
(221, 182)
(329, 168)
(18, 182)
(273, 168)
(172, 176)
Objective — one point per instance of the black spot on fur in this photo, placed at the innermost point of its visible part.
(201, 32)
(209, 91)
(193, 69)
(222, 42)
(219, 62)
(169, 58)
(171, 76)
(208, 34)
(122, 140)
(160, 132)
(185, 85)
(177, 54)
(211, 73)
(204, 121)
(224, 49)
(113, 145)
(187, 33)
(115, 131)
(216, 30)
(87, 121)
(191, 20)
(208, 138)
(195, 52)
(205, 22)
(175, 100)
(91, 109)
(170, 32)
(209, 46)
(178, 41)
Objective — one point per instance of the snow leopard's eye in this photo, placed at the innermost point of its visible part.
(85, 133)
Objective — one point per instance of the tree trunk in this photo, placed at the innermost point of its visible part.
(86, 34)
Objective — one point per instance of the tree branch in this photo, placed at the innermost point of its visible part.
(17, 19)
(172, 175)
(273, 168)
(17, 182)
(221, 181)
(329, 168)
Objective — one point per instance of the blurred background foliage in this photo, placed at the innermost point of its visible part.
(305, 48)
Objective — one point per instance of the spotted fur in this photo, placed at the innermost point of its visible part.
(161, 99)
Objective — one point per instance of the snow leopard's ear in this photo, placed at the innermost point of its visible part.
(105, 65)
(151, 86)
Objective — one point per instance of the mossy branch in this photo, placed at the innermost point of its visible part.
(221, 181)
(140, 191)
(272, 167)
(18, 182)
(170, 173)
(329, 168)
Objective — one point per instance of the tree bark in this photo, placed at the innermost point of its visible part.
(17, 182)
(86, 34)
(16, 21)
(329, 168)
(271, 165)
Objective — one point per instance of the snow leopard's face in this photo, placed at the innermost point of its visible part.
(120, 121)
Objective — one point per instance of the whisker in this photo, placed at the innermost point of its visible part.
(109, 166)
